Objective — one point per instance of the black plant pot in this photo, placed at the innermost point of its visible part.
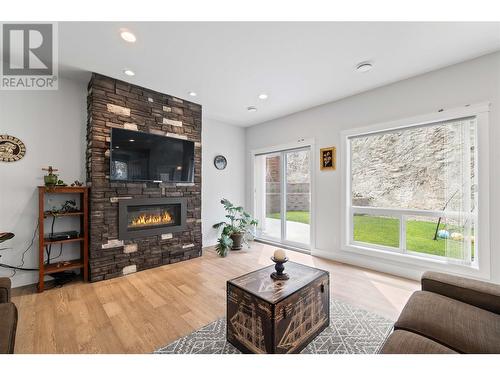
(237, 241)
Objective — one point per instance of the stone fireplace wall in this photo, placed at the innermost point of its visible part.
(113, 103)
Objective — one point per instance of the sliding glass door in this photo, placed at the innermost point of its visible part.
(283, 196)
(268, 195)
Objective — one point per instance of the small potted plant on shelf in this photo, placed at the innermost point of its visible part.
(235, 230)
(51, 178)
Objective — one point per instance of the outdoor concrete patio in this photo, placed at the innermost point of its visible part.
(295, 232)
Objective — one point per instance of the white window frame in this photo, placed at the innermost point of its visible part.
(481, 267)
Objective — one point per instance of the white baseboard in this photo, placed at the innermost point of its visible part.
(208, 242)
(393, 267)
(386, 266)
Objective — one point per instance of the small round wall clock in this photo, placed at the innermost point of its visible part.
(220, 162)
(11, 148)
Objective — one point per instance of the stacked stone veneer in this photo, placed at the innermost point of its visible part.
(113, 103)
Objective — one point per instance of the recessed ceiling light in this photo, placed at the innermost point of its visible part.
(364, 67)
(131, 140)
(128, 36)
(129, 72)
(252, 109)
(192, 93)
(263, 96)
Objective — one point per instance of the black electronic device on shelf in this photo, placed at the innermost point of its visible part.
(61, 236)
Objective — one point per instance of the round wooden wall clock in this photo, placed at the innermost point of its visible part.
(11, 148)
(220, 162)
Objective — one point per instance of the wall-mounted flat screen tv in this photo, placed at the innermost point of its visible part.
(137, 156)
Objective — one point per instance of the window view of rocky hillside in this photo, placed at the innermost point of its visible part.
(420, 168)
(425, 168)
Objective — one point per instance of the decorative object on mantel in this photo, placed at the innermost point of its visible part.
(328, 158)
(11, 148)
(220, 162)
(51, 178)
(280, 259)
(233, 233)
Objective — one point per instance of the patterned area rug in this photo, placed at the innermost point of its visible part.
(351, 331)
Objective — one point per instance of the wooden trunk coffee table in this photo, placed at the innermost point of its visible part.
(277, 316)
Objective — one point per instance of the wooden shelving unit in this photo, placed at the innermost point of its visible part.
(69, 265)
(81, 263)
(69, 240)
(49, 214)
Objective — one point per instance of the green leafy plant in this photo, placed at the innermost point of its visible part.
(224, 243)
(238, 224)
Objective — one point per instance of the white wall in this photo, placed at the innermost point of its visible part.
(220, 139)
(470, 82)
(52, 125)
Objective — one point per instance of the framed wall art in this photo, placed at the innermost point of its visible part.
(11, 148)
(328, 159)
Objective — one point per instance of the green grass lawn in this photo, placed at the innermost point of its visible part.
(297, 216)
(385, 231)
(419, 235)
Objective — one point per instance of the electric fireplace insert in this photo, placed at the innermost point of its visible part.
(143, 217)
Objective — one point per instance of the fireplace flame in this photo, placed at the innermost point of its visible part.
(144, 219)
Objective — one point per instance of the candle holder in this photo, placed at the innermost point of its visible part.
(279, 267)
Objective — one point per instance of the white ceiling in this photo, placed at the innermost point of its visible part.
(299, 65)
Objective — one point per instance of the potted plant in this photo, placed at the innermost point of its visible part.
(51, 178)
(234, 231)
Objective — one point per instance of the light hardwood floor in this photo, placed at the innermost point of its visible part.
(141, 312)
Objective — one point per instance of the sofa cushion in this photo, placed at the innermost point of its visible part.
(474, 292)
(4, 289)
(8, 325)
(405, 342)
(457, 325)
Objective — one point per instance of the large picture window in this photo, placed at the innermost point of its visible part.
(415, 190)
